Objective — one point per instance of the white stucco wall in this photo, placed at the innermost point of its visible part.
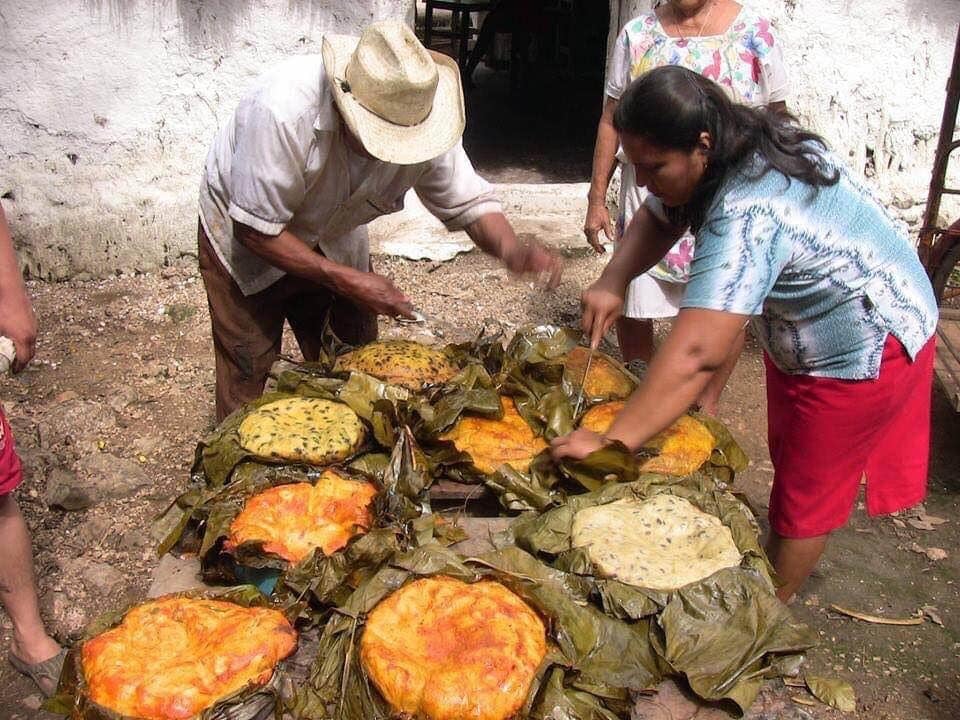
(107, 106)
(870, 76)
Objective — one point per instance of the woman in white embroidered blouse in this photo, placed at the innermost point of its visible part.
(721, 40)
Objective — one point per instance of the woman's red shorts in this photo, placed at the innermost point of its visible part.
(826, 434)
(10, 471)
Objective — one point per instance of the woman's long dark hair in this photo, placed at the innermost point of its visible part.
(670, 106)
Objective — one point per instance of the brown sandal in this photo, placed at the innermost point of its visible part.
(46, 674)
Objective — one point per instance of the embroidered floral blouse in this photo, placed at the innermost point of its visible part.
(747, 59)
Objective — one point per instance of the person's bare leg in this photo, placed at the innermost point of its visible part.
(794, 559)
(635, 337)
(710, 397)
(18, 590)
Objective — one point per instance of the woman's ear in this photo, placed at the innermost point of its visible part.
(705, 143)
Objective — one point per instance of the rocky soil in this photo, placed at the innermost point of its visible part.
(108, 415)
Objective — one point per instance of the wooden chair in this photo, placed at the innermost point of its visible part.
(461, 28)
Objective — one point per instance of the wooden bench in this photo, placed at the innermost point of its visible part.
(947, 362)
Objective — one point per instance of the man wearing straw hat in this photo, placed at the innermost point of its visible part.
(316, 150)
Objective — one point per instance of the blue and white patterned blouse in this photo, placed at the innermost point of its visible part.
(827, 274)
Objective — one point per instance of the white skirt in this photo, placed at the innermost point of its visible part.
(647, 297)
(650, 298)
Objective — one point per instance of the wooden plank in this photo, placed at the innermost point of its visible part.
(947, 360)
(949, 332)
(450, 490)
(950, 313)
(479, 530)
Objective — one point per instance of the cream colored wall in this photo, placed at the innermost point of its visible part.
(870, 76)
(107, 108)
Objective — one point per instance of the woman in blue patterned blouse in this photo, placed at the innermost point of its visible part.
(786, 238)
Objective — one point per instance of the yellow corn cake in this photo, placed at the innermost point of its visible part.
(292, 520)
(400, 362)
(443, 649)
(681, 449)
(605, 379)
(175, 657)
(301, 429)
(662, 543)
(492, 443)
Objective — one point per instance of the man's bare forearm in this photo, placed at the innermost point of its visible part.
(292, 255)
(493, 234)
(289, 253)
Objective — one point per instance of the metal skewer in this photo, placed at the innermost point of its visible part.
(583, 381)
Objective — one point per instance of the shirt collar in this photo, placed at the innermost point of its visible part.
(328, 117)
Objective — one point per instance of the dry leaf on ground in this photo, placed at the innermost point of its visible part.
(833, 692)
(933, 553)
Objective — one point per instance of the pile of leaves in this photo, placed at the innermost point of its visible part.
(592, 663)
(724, 634)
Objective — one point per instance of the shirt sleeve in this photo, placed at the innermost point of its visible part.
(453, 192)
(736, 262)
(266, 171)
(618, 67)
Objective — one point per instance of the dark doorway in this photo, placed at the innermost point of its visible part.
(534, 101)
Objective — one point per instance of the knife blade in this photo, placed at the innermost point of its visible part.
(583, 381)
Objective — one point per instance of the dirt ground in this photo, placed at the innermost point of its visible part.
(109, 413)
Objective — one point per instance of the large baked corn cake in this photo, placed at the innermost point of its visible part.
(301, 429)
(492, 443)
(175, 657)
(662, 543)
(400, 362)
(605, 379)
(681, 449)
(292, 520)
(444, 649)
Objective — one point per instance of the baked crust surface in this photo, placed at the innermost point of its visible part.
(450, 650)
(175, 657)
(301, 429)
(291, 520)
(492, 443)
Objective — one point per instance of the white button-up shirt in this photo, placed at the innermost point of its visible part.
(281, 162)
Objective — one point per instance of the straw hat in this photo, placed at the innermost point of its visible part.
(402, 101)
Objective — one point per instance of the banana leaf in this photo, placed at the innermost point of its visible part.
(535, 370)
(401, 520)
(727, 458)
(725, 633)
(72, 698)
(833, 692)
(548, 483)
(532, 372)
(309, 380)
(220, 452)
(593, 662)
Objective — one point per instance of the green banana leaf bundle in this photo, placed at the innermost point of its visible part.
(532, 371)
(593, 661)
(401, 513)
(72, 697)
(723, 634)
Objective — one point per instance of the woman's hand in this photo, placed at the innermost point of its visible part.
(598, 219)
(602, 304)
(576, 445)
(18, 322)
